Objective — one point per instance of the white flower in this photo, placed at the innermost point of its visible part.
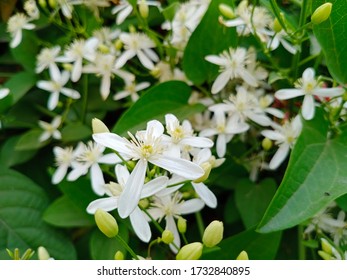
(164, 72)
(50, 129)
(171, 207)
(89, 159)
(138, 219)
(140, 45)
(4, 92)
(285, 137)
(224, 128)
(75, 53)
(104, 66)
(66, 6)
(56, 86)
(308, 86)
(131, 89)
(47, 59)
(31, 8)
(146, 147)
(232, 66)
(181, 136)
(280, 38)
(15, 25)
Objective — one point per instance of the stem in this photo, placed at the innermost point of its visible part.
(200, 223)
(85, 98)
(127, 247)
(301, 246)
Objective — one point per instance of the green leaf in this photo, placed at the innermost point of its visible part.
(331, 35)
(170, 11)
(30, 141)
(206, 40)
(75, 132)
(258, 246)
(342, 202)
(170, 97)
(26, 52)
(9, 156)
(314, 178)
(22, 203)
(104, 248)
(64, 213)
(252, 199)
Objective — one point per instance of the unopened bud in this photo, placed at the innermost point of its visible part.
(167, 236)
(98, 126)
(243, 256)
(132, 29)
(206, 166)
(43, 254)
(192, 251)
(326, 246)
(266, 144)
(182, 225)
(119, 256)
(67, 67)
(276, 25)
(155, 72)
(144, 203)
(325, 256)
(143, 9)
(213, 234)
(104, 49)
(52, 3)
(43, 4)
(106, 223)
(322, 13)
(226, 11)
(118, 44)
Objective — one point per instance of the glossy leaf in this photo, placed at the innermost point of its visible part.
(75, 132)
(314, 178)
(252, 199)
(170, 97)
(331, 35)
(206, 40)
(22, 203)
(30, 140)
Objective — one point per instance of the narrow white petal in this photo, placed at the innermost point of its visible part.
(97, 179)
(113, 141)
(109, 159)
(308, 109)
(105, 86)
(74, 94)
(54, 72)
(328, 92)
(16, 39)
(208, 132)
(145, 61)
(171, 226)
(124, 14)
(215, 59)
(182, 167)
(59, 174)
(140, 225)
(273, 135)
(284, 94)
(190, 206)
(76, 70)
(106, 204)
(205, 194)
(308, 74)
(53, 100)
(154, 186)
(124, 57)
(221, 82)
(248, 78)
(279, 156)
(199, 142)
(131, 194)
(221, 145)
(4, 92)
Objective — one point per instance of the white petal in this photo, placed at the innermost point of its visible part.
(284, 94)
(208, 132)
(76, 70)
(16, 39)
(308, 109)
(190, 206)
(308, 74)
(124, 57)
(113, 141)
(273, 135)
(106, 204)
(171, 226)
(275, 112)
(59, 174)
(205, 194)
(328, 92)
(53, 100)
(131, 194)
(221, 145)
(155, 127)
(140, 225)
(109, 159)
(105, 86)
(145, 61)
(154, 186)
(215, 59)
(279, 156)
(151, 55)
(122, 174)
(248, 78)
(179, 166)
(45, 85)
(97, 179)
(220, 82)
(4, 92)
(70, 93)
(124, 14)
(199, 142)
(54, 72)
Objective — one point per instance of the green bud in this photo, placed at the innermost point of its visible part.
(277, 26)
(155, 72)
(104, 49)
(325, 256)
(132, 29)
(43, 4)
(213, 234)
(43, 254)
(119, 256)
(167, 236)
(326, 246)
(192, 251)
(266, 144)
(243, 256)
(144, 203)
(143, 9)
(182, 225)
(226, 11)
(206, 166)
(52, 3)
(106, 223)
(98, 126)
(322, 13)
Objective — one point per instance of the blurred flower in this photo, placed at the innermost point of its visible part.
(15, 25)
(50, 129)
(4, 92)
(131, 89)
(46, 59)
(31, 9)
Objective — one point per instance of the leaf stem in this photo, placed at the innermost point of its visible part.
(301, 246)
(127, 247)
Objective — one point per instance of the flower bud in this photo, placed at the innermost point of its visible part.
(104, 49)
(106, 223)
(213, 234)
(118, 44)
(67, 66)
(206, 166)
(192, 251)
(226, 11)
(243, 256)
(182, 225)
(167, 236)
(326, 246)
(325, 256)
(52, 3)
(266, 144)
(322, 13)
(119, 256)
(144, 203)
(277, 26)
(143, 9)
(43, 254)
(43, 4)
(155, 72)
(98, 126)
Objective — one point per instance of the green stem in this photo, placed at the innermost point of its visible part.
(85, 98)
(127, 247)
(301, 246)
(200, 223)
